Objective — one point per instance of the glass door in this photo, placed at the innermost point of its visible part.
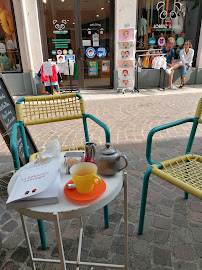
(96, 41)
(79, 30)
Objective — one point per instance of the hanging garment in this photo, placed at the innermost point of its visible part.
(142, 27)
(53, 77)
(145, 62)
(152, 57)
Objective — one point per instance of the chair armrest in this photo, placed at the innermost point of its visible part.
(101, 124)
(13, 146)
(159, 128)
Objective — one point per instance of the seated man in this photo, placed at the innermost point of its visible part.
(170, 63)
(186, 56)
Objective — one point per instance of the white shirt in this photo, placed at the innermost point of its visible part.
(187, 57)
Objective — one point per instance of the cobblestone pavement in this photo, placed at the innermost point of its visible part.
(172, 237)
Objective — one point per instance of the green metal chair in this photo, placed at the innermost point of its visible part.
(184, 171)
(32, 110)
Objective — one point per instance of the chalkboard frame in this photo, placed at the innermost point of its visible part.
(5, 131)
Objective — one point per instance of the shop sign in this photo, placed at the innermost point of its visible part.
(61, 43)
(105, 66)
(180, 41)
(92, 68)
(152, 41)
(71, 57)
(90, 52)
(95, 40)
(95, 24)
(161, 41)
(60, 28)
(101, 52)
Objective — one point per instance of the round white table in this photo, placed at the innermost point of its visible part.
(68, 209)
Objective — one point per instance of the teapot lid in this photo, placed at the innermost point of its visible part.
(108, 150)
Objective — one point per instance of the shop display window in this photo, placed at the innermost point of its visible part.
(9, 53)
(162, 20)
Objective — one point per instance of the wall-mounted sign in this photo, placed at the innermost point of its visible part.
(92, 68)
(126, 34)
(60, 27)
(59, 52)
(86, 42)
(70, 51)
(180, 41)
(101, 52)
(53, 52)
(161, 41)
(61, 43)
(105, 66)
(90, 52)
(71, 57)
(152, 41)
(95, 40)
(60, 58)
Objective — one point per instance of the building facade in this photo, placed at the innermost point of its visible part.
(87, 31)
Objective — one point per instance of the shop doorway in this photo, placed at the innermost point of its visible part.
(80, 30)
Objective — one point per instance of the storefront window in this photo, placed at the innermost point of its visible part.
(161, 20)
(9, 53)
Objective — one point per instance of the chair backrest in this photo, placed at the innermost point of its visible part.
(34, 110)
(199, 111)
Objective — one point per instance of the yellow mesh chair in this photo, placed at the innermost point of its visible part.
(184, 172)
(32, 110)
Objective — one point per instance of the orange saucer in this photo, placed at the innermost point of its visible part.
(75, 195)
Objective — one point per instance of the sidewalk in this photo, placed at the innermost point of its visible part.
(172, 236)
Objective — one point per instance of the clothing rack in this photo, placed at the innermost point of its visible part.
(136, 66)
(70, 79)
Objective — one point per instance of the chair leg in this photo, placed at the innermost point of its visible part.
(106, 217)
(186, 195)
(42, 234)
(144, 200)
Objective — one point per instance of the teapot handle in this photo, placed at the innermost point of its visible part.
(126, 161)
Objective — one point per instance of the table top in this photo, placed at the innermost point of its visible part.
(67, 208)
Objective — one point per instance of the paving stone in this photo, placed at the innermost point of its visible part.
(181, 207)
(5, 217)
(96, 219)
(161, 256)
(198, 248)
(12, 242)
(99, 253)
(10, 226)
(170, 194)
(185, 266)
(118, 245)
(10, 265)
(167, 202)
(131, 229)
(181, 235)
(138, 246)
(162, 222)
(195, 216)
(197, 235)
(140, 262)
(196, 206)
(161, 236)
(20, 254)
(163, 210)
(183, 252)
(2, 257)
(180, 220)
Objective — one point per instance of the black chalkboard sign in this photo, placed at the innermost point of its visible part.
(8, 118)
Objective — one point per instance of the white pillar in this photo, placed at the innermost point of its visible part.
(199, 55)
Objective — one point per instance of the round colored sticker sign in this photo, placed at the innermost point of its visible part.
(70, 52)
(101, 52)
(90, 52)
(152, 41)
(53, 52)
(172, 39)
(59, 52)
(64, 51)
(180, 41)
(161, 41)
